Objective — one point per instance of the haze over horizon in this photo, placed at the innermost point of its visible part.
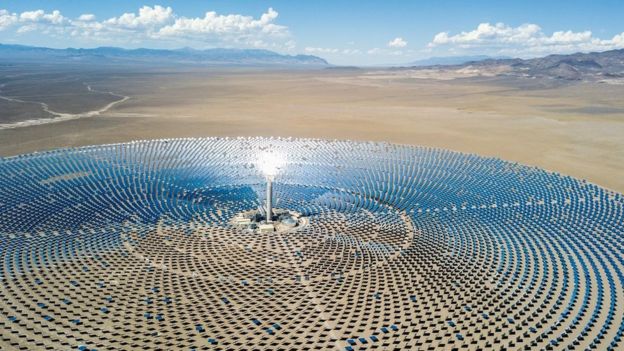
(346, 32)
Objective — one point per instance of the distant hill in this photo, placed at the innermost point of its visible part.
(242, 57)
(449, 60)
(578, 66)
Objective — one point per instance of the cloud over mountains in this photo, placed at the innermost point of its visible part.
(160, 26)
(525, 40)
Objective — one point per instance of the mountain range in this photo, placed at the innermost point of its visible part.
(450, 60)
(607, 65)
(103, 55)
(578, 66)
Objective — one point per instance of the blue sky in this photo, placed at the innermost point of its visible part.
(344, 32)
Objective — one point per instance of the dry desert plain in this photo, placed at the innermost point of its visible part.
(575, 128)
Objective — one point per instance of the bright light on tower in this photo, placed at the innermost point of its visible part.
(270, 163)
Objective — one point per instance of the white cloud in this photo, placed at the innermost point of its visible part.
(570, 37)
(87, 17)
(147, 17)
(392, 52)
(27, 28)
(525, 40)
(321, 51)
(7, 19)
(351, 51)
(32, 16)
(242, 27)
(54, 17)
(313, 50)
(156, 24)
(488, 33)
(290, 45)
(397, 42)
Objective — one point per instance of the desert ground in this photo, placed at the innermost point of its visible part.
(575, 128)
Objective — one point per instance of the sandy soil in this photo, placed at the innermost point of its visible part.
(575, 129)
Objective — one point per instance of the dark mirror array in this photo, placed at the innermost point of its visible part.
(132, 247)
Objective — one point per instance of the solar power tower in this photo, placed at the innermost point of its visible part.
(270, 164)
(269, 199)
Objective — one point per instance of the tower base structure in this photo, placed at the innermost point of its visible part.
(283, 221)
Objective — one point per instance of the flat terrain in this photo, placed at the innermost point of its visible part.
(573, 128)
